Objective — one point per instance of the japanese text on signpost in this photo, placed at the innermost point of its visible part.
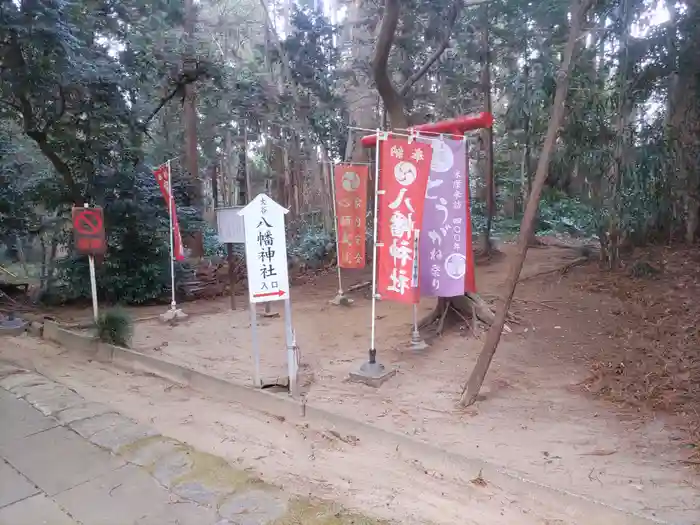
(266, 250)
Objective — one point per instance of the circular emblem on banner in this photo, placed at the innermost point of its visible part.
(351, 181)
(405, 173)
(443, 158)
(456, 265)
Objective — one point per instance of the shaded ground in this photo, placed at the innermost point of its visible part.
(654, 363)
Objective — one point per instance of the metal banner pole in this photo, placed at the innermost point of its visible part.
(173, 314)
(93, 286)
(372, 373)
(256, 349)
(291, 352)
(93, 282)
(339, 299)
(171, 203)
(372, 348)
(417, 342)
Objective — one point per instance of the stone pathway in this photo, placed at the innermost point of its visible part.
(68, 461)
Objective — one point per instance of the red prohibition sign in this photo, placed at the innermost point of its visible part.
(88, 222)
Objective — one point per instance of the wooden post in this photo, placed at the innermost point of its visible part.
(231, 274)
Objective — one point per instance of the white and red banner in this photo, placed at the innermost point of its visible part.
(162, 174)
(351, 209)
(405, 168)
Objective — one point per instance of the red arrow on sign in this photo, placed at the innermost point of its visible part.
(279, 293)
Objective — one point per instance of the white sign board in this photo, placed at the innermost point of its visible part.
(229, 224)
(265, 250)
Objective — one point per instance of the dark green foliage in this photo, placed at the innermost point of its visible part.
(314, 58)
(136, 267)
(312, 245)
(116, 327)
(82, 85)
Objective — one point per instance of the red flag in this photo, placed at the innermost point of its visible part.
(405, 168)
(162, 174)
(470, 276)
(351, 210)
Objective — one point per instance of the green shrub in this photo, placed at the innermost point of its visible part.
(115, 327)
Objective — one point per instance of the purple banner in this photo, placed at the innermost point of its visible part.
(443, 240)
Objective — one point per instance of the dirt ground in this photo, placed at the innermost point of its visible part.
(563, 439)
(535, 418)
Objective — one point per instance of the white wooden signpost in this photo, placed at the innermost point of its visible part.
(268, 278)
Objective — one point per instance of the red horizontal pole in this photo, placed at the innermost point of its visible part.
(457, 126)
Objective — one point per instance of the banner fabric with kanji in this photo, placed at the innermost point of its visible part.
(405, 168)
(446, 255)
(351, 209)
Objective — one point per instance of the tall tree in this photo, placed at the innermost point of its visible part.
(189, 115)
(487, 134)
(579, 9)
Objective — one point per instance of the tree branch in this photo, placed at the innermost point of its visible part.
(161, 105)
(10, 105)
(40, 137)
(452, 14)
(393, 99)
(59, 112)
(380, 65)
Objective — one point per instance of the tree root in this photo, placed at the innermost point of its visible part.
(429, 319)
(441, 323)
(470, 308)
(561, 269)
(359, 286)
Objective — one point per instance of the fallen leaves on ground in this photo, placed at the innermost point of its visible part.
(655, 361)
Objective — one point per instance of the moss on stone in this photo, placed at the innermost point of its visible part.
(307, 512)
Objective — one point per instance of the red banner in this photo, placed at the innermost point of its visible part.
(351, 209)
(405, 168)
(162, 175)
(470, 276)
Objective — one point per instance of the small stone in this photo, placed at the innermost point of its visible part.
(36, 329)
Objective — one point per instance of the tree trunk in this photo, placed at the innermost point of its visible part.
(190, 113)
(487, 134)
(215, 170)
(473, 385)
(227, 171)
(245, 166)
(527, 154)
